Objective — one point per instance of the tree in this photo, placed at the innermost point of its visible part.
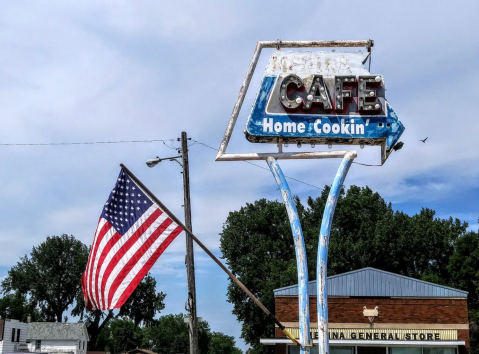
(144, 303)
(121, 335)
(222, 344)
(50, 277)
(169, 335)
(257, 244)
(464, 269)
(141, 308)
(16, 306)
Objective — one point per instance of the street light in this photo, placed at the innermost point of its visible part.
(154, 162)
(189, 259)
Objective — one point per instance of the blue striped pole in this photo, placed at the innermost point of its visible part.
(322, 262)
(304, 333)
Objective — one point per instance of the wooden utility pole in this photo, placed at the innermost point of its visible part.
(189, 259)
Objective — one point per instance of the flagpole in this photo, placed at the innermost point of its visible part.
(208, 252)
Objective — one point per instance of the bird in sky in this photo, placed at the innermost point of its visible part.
(423, 140)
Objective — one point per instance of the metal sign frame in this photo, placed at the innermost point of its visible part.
(305, 341)
(223, 156)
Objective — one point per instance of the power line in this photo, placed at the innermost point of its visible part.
(365, 164)
(164, 141)
(85, 143)
(264, 168)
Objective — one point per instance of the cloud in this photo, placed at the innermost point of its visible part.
(92, 71)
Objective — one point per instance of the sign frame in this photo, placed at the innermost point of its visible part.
(223, 156)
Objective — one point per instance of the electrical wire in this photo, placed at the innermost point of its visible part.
(164, 143)
(365, 164)
(264, 168)
(170, 147)
(84, 143)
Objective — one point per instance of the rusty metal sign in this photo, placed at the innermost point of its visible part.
(322, 98)
(316, 97)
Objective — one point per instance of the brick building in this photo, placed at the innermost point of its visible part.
(377, 312)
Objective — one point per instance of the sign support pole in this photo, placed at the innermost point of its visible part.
(301, 261)
(322, 261)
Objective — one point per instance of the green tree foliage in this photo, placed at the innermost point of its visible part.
(17, 306)
(167, 330)
(464, 270)
(222, 344)
(120, 336)
(50, 276)
(141, 308)
(144, 303)
(464, 267)
(169, 335)
(257, 244)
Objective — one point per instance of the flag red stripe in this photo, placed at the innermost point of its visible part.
(136, 257)
(145, 269)
(105, 228)
(90, 262)
(121, 252)
(85, 294)
(95, 294)
(105, 251)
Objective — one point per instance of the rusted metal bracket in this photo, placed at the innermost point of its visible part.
(278, 44)
(222, 156)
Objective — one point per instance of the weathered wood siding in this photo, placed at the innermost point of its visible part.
(60, 346)
(7, 345)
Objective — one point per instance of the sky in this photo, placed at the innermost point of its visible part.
(102, 71)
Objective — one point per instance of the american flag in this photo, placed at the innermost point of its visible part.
(132, 233)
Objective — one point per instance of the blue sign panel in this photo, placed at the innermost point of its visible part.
(322, 98)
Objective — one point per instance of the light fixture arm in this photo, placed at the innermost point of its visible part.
(157, 160)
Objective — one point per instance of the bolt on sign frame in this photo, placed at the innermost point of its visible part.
(315, 93)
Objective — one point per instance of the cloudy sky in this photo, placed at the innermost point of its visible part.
(102, 71)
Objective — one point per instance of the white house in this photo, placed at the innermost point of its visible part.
(13, 336)
(55, 337)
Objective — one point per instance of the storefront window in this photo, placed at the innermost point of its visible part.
(314, 350)
(371, 350)
(405, 350)
(436, 350)
(341, 350)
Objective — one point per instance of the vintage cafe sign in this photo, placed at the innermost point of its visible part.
(322, 98)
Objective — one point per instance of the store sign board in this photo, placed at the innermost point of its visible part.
(322, 98)
(373, 334)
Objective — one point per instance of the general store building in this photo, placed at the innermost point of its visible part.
(377, 312)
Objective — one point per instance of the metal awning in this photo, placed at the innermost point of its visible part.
(372, 343)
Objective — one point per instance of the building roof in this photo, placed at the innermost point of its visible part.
(376, 283)
(57, 331)
(140, 351)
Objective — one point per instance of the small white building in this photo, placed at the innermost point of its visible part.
(13, 336)
(55, 337)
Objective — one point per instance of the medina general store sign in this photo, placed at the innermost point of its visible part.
(373, 334)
